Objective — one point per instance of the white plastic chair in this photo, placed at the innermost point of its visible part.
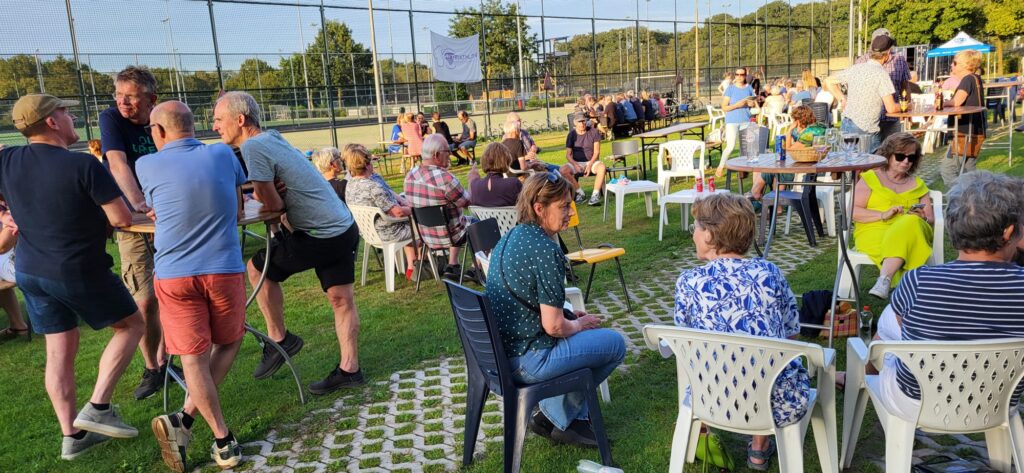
(716, 116)
(826, 204)
(506, 216)
(394, 257)
(725, 399)
(682, 154)
(858, 259)
(966, 387)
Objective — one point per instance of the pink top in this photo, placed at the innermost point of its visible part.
(413, 137)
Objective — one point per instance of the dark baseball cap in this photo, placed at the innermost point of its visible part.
(882, 43)
(34, 108)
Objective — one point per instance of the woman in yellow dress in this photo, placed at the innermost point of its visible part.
(893, 213)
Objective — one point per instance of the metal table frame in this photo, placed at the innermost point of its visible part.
(647, 155)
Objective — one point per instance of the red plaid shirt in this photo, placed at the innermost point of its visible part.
(427, 186)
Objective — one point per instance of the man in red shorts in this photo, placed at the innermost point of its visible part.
(194, 191)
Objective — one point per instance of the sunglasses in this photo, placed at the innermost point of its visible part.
(741, 73)
(903, 157)
(553, 176)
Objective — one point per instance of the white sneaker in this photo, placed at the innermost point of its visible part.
(881, 287)
(227, 457)
(173, 438)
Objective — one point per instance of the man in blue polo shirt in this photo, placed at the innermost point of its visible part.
(62, 202)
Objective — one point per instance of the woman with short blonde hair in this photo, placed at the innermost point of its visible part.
(971, 128)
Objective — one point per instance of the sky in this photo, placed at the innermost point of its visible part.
(115, 33)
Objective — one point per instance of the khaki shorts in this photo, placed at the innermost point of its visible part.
(136, 263)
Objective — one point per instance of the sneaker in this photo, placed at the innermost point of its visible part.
(153, 381)
(541, 425)
(71, 448)
(106, 422)
(452, 272)
(173, 438)
(272, 359)
(227, 457)
(579, 433)
(336, 380)
(881, 287)
(595, 200)
(580, 196)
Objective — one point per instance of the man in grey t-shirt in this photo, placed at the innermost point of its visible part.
(323, 238)
(467, 139)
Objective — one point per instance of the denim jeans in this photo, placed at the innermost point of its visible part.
(849, 127)
(601, 350)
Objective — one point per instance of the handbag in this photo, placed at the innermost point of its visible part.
(971, 143)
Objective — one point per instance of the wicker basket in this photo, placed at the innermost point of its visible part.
(804, 155)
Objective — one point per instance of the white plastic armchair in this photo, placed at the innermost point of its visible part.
(966, 387)
(731, 378)
(681, 153)
(716, 116)
(858, 259)
(506, 216)
(394, 258)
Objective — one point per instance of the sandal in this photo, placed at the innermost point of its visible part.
(710, 449)
(764, 455)
(10, 333)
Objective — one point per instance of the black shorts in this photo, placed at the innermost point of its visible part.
(333, 258)
(55, 306)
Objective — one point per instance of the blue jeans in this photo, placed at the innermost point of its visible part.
(849, 127)
(601, 350)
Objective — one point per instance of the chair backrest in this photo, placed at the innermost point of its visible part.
(483, 235)
(506, 216)
(821, 113)
(682, 154)
(479, 335)
(965, 386)
(625, 147)
(365, 216)
(761, 143)
(731, 376)
(433, 216)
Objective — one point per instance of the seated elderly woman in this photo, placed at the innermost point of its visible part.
(893, 213)
(985, 223)
(496, 188)
(526, 289)
(328, 162)
(364, 190)
(735, 294)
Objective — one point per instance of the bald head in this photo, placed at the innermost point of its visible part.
(170, 121)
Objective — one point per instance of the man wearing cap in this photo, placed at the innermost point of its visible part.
(62, 202)
(899, 73)
(869, 92)
(583, 154)
(125, 138)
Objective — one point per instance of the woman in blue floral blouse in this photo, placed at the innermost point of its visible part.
(736, 294)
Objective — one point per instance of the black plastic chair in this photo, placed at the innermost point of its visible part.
(804, 202)
(482, 236)
(822, 114)
(434, 216)
(488, 370)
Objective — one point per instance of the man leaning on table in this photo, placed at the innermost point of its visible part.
(323, 238)
(194, 191)
(62, 202)
(870, 92)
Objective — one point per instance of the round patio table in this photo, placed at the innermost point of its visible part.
(929, 111)
(844, 164)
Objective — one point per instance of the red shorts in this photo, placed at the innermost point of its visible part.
(198, 310)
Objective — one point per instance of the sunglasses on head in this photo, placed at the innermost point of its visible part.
(904, 156)
(553, 176)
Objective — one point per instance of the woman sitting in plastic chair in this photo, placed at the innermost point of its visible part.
(526, 289)
(735, 294)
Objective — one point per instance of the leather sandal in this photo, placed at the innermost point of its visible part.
(764, 455)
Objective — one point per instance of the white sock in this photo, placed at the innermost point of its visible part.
(595, 194)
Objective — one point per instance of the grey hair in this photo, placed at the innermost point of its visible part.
(241, 103)
(323, 158)
(981, 206)
(432, 144)
(509, 127)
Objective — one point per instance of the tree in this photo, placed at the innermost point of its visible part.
(345, 55)
(926, 21)
(499, 46)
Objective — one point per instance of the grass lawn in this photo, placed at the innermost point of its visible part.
(400, 330)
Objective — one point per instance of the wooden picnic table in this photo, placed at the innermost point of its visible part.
(646, 159)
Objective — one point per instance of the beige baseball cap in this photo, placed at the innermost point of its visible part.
(33, 108)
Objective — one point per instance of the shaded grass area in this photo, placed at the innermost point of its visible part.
(399, 331)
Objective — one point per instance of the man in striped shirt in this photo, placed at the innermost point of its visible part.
(979, 296)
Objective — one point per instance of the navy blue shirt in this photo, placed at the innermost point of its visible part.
(55, 197)
(119, 134)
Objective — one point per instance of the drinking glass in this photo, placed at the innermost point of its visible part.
(820, 146)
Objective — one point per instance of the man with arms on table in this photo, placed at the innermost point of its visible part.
(324, 238)
(125, 139)
(62, 266)
(194, 191)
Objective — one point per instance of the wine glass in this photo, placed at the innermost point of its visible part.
(833, 137)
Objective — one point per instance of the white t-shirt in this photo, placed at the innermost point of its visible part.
(866, 84)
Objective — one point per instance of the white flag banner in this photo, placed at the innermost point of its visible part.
(456, 59)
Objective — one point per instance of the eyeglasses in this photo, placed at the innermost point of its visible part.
(149, 128)
(127, 98)
(903, 156)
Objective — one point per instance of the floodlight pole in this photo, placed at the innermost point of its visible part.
(849, 36)
(376, 74)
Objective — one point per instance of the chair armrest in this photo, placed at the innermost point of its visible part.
(856, 363)
(605, 245)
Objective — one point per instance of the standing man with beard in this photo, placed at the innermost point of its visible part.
(126, 137)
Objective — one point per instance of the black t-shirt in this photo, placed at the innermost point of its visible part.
(515, 146)
(975, 122)
(119, 134)
(339, 186)
(55, 197)
(442, 128)
(582, 146)
(638, 108)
